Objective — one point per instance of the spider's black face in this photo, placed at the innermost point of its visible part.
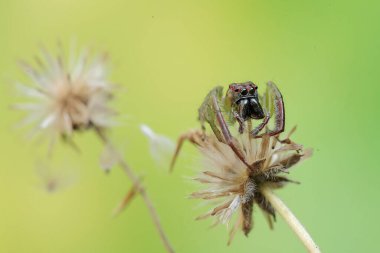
(245, 99)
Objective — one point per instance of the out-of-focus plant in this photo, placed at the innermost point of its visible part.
(69, 96)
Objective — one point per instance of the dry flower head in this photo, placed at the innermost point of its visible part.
(67, 96)
(236, 187)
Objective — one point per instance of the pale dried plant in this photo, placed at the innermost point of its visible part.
(54, 179)
(161, 147)
(65, 96)
(236, 189)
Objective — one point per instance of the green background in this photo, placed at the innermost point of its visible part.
(324, 56)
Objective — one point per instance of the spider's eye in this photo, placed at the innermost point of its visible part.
(252, 91)
(244, 92)
(236, 90)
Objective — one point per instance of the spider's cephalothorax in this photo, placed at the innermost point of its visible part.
(244, 101)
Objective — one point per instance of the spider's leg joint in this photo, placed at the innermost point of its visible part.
(260, 127)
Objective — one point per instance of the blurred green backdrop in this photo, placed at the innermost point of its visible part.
(324, 56)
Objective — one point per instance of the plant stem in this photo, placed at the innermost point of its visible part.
(292, 221)
(136, 181)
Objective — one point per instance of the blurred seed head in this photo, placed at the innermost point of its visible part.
(65, 96)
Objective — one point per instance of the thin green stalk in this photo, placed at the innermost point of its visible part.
(136, 182)
(292, 221)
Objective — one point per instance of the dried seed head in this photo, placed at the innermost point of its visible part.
(67, 97)
(237, 187)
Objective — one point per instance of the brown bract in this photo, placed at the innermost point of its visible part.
(236, 187)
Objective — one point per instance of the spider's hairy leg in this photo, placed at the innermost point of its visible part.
(274, 104)
(260, 127)
(216, 131)
(207, 114)
(195, 137)
(203, 128)
(247, 209)
(226, 132)
(211, 113)
(265, 205)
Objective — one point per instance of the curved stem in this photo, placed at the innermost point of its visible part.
(136, 181)
(292, 221)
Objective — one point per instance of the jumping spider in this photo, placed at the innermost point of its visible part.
(240, 104)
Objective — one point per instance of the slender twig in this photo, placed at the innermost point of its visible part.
(292, 221)
(136, 182)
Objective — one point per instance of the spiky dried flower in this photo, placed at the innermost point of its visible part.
(236, 187)
(67, 96)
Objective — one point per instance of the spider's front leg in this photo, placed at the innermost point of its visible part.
(211, 113)
(206, 114)
(274, 103)
(226, 132)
